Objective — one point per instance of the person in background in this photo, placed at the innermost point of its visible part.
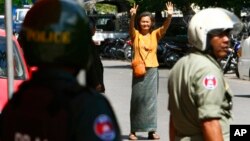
(96, 70)
(143, 105)
(246, 27)
(52, 105)
(200, 100)
(110, 25)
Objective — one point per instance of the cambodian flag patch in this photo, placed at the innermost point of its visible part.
(104, 128)
(210, 82)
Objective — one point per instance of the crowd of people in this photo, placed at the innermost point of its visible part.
(52, 105)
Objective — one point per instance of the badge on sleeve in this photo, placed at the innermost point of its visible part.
(104, 128)
(210, 82)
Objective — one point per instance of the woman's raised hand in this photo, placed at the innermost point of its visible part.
(170, 8)
(133, 10)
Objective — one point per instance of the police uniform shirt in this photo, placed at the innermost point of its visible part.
(198, 91)
(52, 106)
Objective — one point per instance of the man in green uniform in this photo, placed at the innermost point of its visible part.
(200, 101)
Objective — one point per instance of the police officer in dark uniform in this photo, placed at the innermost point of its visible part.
(52, 106)
(96, 70)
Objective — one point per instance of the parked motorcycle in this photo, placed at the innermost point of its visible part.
(128, 50)
(113, 48)
(230, 62)
(169, 52)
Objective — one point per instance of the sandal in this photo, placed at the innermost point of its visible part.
(153, 136)
(132, 136)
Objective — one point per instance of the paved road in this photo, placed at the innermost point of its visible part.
(118, 78)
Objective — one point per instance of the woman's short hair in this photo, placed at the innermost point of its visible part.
(144, 14)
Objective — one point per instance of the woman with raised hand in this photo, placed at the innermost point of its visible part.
(143, 112)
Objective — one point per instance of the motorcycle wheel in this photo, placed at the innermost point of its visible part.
(170, 59)
(227, 64)
(226, 69)
(128, 53)
(236, 70)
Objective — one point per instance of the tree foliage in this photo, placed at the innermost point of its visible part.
(150, 5)
(159, 5)
(15, 3)
(106, 8)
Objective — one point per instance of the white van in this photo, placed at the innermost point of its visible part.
(244, 60)
(18, 17)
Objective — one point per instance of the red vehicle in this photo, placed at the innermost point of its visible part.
(20, 68)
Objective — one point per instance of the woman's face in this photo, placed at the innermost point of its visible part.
(145, 24)
(220, 44)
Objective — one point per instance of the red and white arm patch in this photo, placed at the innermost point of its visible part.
(104, 128)
(210, 82)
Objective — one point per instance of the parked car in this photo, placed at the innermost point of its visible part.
(21, 72)
(244, 59)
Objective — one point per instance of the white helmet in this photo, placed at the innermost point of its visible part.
(211, 19)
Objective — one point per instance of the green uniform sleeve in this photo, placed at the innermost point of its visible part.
(209, 93)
